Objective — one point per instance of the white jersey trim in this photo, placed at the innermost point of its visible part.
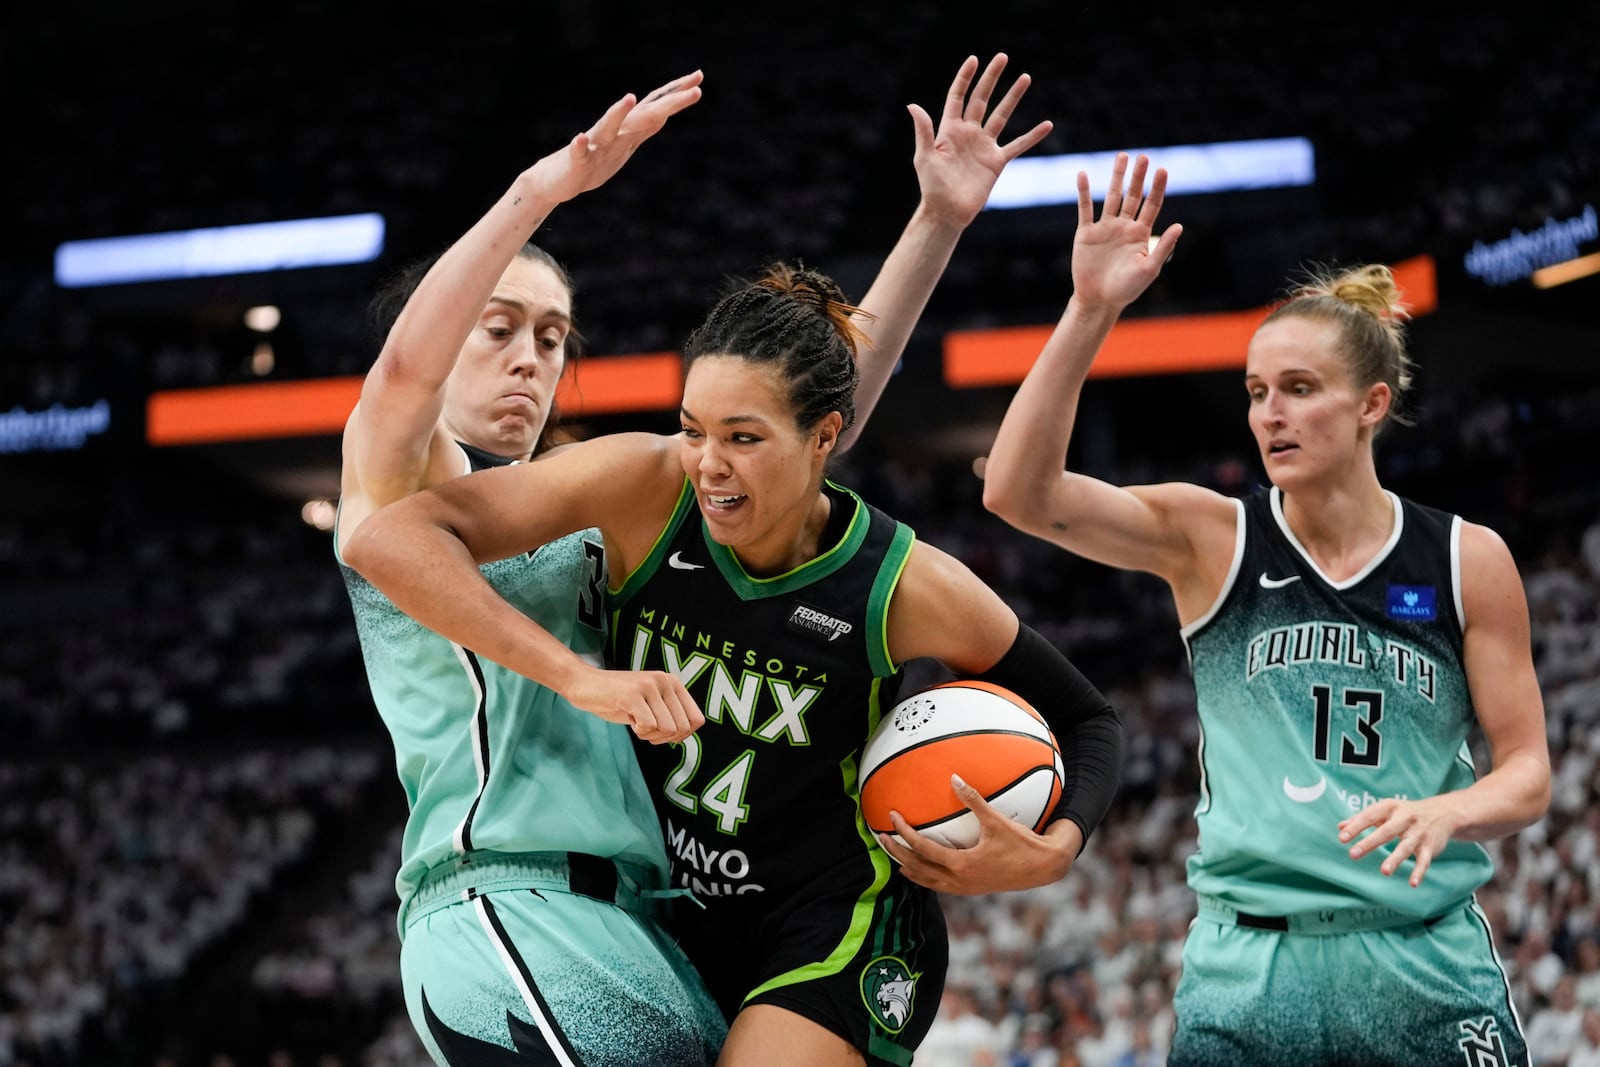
(1455, 572)
(479, 729)
(1372, 564)
(536, 1009)
(1233, 575)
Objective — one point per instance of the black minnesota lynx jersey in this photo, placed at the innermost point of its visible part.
(792, 673)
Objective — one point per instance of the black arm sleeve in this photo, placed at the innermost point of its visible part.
(1086, 726)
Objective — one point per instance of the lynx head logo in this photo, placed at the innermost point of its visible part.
(889, 990)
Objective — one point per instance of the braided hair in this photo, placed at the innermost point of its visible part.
(796, 320)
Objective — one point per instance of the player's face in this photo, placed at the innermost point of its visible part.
(499, 394)
(1311, 421)
(755, 473)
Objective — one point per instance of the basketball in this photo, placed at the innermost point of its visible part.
(987, 734)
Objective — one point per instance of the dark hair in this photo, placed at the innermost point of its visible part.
(393, 295)
(797, 320)
(1363, 303)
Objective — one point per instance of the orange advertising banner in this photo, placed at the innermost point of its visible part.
(1167, 344)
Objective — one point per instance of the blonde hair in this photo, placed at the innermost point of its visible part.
(1363, 302)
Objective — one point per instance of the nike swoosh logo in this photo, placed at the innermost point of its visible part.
(1304, 794)
(683, 565)
(1277, 583)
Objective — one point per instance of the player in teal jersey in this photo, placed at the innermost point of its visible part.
(781, 606)
(531, 853)
(525, 918)
(1345, 644)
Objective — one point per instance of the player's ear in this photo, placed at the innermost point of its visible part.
(826, 431)
(1376, 404)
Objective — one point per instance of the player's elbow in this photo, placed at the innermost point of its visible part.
(374, 546)
(1004, 496)
(359, 549)
(1539, 804)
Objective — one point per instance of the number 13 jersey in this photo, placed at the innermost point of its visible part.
(1318, 698)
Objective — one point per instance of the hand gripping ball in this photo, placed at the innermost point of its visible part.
(988, 735)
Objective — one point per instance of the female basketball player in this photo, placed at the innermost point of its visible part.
(574, 969)
(780, 605)
(1345, 642)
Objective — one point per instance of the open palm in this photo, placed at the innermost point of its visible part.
(958, 164)
(1114, 258)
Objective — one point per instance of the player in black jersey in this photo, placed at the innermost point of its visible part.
(1345, 644)
(750, 589)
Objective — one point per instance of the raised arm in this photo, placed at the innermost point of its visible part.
(1161, 529)
(957, 166)
(423, 552)
(393, 445)
(1498, 656)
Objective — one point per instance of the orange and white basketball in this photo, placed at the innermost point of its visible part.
(987, 734)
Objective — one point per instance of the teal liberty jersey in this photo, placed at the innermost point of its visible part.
(491, 760)
(1319, 698)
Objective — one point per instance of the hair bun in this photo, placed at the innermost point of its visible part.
(803, 284)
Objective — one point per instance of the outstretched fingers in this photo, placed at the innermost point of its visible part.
(633, 119)
(1018, 145)
(1134, 198)
(605, 129)
(1119, 172)
(955, 100)
(1157, 196)
(978, 103)
(1002, 112)
(680, 87)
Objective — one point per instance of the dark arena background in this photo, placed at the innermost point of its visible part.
(199, 814)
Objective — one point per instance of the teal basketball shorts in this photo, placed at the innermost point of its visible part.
(550, 961)
(1407, 993)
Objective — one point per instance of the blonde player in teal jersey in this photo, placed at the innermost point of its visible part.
(1345, 644)
(531, 854)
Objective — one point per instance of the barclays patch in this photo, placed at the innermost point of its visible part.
(1415, 603)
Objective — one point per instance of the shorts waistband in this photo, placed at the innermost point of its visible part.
(1320, 921)
(477, 873)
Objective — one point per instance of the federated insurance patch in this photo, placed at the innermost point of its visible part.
(818, 623)
(890, 991)
(1415, 603)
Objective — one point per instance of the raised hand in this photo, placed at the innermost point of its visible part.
(1008, 855)
(1116, 258)
(592, 157)
(958, 164)
(654, 703)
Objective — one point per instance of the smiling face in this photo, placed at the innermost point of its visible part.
(500, 392)
(756, 474)
(1313, 423)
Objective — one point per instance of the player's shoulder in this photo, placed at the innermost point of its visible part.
(1482, 546)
